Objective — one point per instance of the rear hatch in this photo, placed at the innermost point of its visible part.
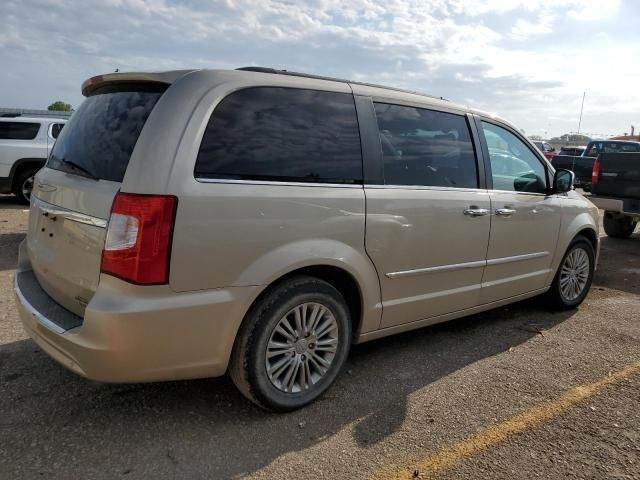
(619, 175)
(72, 196)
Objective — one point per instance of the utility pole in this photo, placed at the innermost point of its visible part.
(581, 109)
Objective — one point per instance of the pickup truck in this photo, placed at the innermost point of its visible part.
(582, 165)
(616, 189)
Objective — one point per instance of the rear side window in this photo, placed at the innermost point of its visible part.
(99, 138)
(56, 128)
(425, 147)
(282, 134)
(18, 130)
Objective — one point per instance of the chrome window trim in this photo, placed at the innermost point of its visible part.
(423, 187)
(38, 316)
(278, 183)
(53, 211)
(515, 192)
(516, 258)
(466, 265)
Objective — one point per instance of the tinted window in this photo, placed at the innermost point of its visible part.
(56, 128)
(282, 134)
(425, 147)
(100, 136)
(18, 130)
(513, 166)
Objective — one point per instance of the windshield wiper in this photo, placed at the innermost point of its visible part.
(80, 168)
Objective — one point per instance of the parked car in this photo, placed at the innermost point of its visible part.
(25, 143)
(616, 190)
(192, 223)
(547, 150)
(582, 165)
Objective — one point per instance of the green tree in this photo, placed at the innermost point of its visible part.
(60, 106)
(572, 138)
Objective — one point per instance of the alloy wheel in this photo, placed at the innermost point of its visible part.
(574, 274)
(301, 348)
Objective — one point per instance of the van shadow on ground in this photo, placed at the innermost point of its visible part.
(58, 423)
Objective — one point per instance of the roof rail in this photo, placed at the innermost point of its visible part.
(10, 115)
(332, 79)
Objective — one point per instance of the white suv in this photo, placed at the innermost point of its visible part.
(25, 143)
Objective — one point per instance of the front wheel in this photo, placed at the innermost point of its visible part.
(292, 344)
(574, 276)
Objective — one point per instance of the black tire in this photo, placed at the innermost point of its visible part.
(248, 365)
(558, 300)
(619, 226)
(19, 182)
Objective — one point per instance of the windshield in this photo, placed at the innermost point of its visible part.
(98, 140)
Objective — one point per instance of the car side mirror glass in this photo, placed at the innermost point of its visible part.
(563, 180)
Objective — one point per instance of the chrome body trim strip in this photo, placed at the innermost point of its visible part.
(53, 212)
(466, 265)
(440, 268)
(38, 316)
(516, 258)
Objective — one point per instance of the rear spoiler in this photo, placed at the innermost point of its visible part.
(90, 86)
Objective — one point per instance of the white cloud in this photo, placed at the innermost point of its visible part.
(488, 53)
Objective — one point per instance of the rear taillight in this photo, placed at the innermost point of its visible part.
(138, 244)
(595, 173)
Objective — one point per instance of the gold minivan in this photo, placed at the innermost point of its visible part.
(256, 221)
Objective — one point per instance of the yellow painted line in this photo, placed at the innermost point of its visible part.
(496, 434)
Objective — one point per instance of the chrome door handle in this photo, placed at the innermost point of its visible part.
(476, 212)
(505, 212)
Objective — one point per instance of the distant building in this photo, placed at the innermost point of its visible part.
(6, 112)
(635, 138)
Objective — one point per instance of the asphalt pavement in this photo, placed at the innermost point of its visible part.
(517, 392)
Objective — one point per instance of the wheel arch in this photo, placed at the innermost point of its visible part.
(22, 164)
(582, 224)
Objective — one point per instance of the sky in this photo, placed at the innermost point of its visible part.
(528, 61)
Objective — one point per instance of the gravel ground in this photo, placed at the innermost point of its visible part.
(405, 397)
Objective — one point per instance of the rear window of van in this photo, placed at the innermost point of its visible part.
(98, 140)
(282, 134)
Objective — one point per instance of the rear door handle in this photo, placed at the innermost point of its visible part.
(505, 212)
(476, 212)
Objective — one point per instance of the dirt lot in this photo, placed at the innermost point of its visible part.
(490, 396)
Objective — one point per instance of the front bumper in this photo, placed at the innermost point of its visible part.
(131, 333)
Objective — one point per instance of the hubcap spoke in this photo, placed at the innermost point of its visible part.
(301, 348)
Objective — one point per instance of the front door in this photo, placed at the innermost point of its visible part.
(525, 220)
(428, 222)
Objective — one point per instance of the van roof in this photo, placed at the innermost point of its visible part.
(20, 118)
(91, 85)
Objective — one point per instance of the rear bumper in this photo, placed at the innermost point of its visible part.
(616, 205)
(139, 334)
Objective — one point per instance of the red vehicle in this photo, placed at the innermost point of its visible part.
(546, 149)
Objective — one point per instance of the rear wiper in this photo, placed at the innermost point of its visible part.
(80, 168)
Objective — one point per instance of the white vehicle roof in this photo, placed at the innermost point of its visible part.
(34, 119)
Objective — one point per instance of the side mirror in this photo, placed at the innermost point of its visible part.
(563, 180)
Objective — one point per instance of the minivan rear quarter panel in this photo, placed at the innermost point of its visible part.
(247, 233)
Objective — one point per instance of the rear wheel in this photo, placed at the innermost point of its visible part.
(23, 184)
(574, 276)
(292, 345)
(619, 226)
